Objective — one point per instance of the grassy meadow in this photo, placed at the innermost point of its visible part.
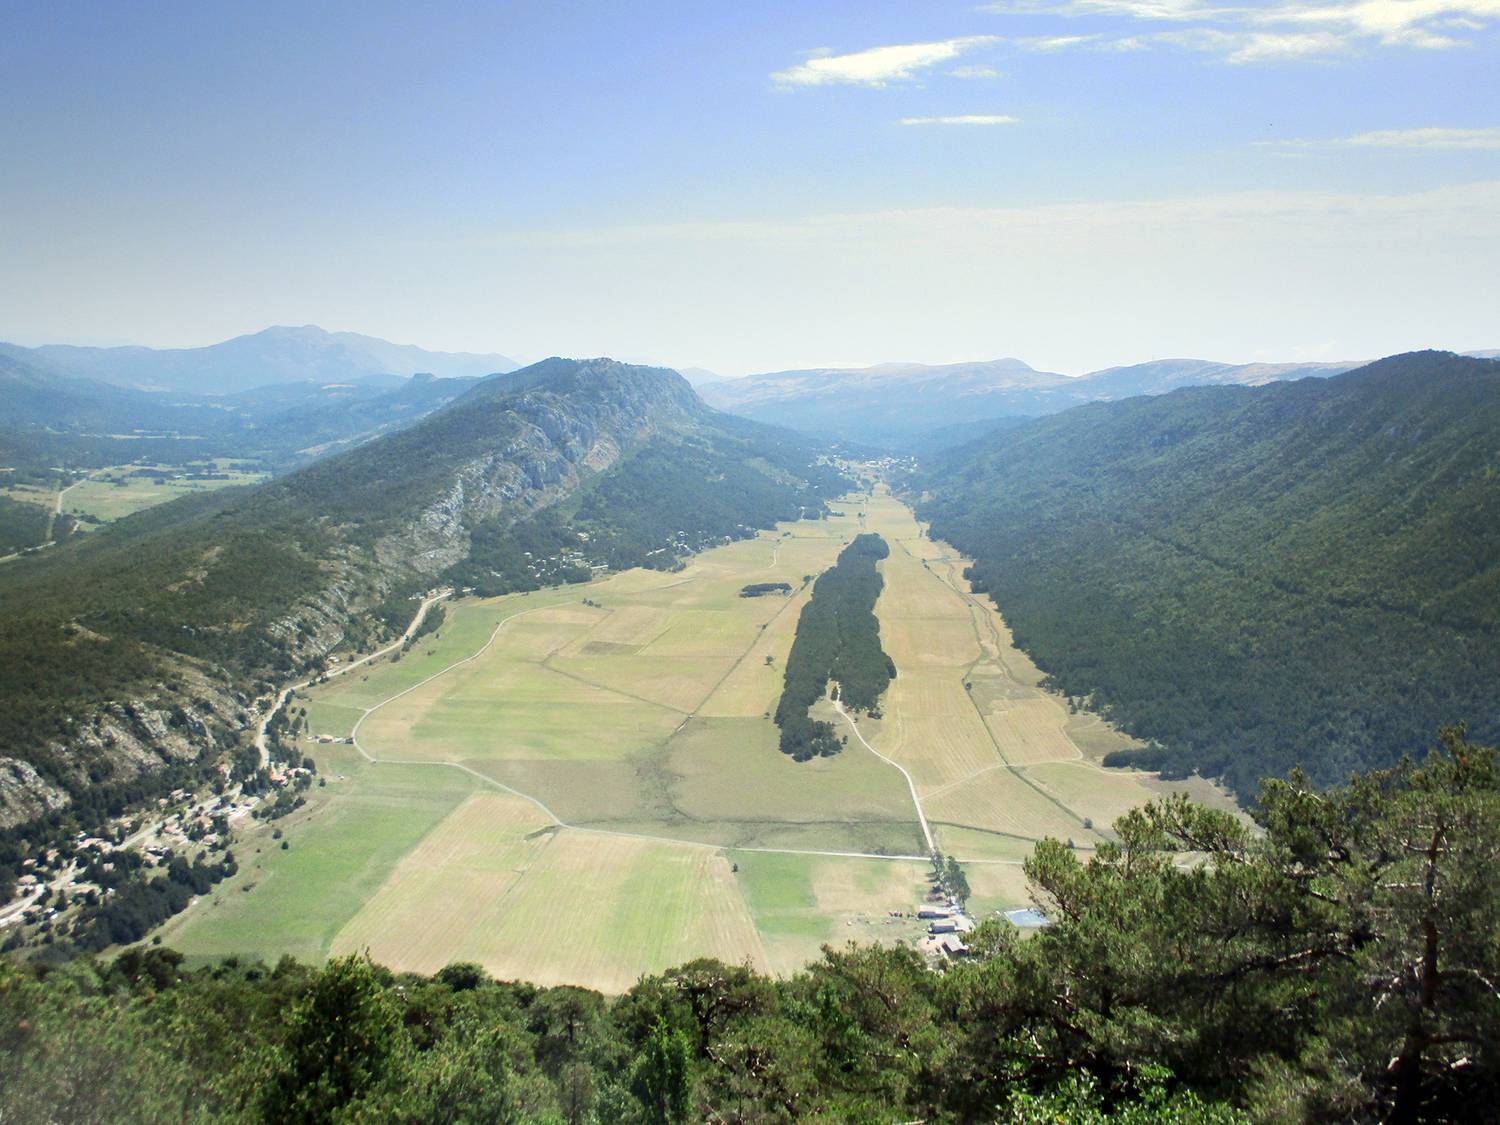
(636, 709)
(109, 494)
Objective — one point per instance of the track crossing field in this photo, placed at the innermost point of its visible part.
(582, 785)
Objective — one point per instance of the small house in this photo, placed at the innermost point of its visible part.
(953, 947)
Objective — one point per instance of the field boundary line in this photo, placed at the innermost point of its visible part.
(968, 601)
(952, 785)
(744, 656)
(280, 702)
(839, 855)
(910, 784)
(546, 665)
(557, 821)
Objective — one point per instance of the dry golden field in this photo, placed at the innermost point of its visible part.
(496, 884)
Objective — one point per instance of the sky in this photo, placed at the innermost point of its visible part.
(759, 186)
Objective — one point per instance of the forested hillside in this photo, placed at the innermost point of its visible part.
(145, 643)
(1253, 579)
(1319, 969)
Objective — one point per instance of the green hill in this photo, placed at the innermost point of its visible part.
(141, 648)
(1303, 573)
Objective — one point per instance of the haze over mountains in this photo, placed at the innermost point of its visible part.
(906, 406)
(280, 397)
(273, 355)
(895, 404)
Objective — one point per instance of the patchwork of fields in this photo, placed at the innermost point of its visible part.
(582, 785)
(108, 494)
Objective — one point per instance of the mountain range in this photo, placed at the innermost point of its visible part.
(903, 405)
(274, 355)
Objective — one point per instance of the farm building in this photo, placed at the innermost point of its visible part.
(952, 946)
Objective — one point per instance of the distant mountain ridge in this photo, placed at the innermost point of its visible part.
(274, 355)
(902, 405)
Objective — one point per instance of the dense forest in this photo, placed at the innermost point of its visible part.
(838, 639)
(22, 525)
(1334, 963)
(1253, 578)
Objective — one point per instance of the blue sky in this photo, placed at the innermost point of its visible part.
(756, 186)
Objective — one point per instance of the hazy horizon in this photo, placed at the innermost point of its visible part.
(1079, 183)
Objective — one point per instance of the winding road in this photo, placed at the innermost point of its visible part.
(416, 623)
(910, 784)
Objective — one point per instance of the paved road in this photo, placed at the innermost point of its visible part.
(416, 623)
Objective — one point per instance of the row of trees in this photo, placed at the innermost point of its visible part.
(838, 639)
(1336, 962)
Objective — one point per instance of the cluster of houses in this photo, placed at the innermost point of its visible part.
(946, 927)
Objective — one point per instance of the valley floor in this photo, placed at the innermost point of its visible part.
(582, 785)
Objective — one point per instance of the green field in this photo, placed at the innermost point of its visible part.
(802, 902)
(634, 711)
(495, 884)
(341, 848)
(108, 494)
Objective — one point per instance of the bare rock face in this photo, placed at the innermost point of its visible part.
(173, 722)
(25, 794)
(557, 443)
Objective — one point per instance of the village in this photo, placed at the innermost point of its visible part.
(187, 840)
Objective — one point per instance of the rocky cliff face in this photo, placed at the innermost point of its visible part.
(512, 446)
(558, 436)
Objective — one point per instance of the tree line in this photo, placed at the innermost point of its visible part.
(838, 639)
(1333, 963)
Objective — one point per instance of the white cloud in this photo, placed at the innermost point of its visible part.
(1135, 9)
(1422, 139)
(1242, 33)
(1056, 42)
(878, 66)
(1254, 46)
(1414, 23)
(1428, 138)
(963, 119)
(976, 72)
